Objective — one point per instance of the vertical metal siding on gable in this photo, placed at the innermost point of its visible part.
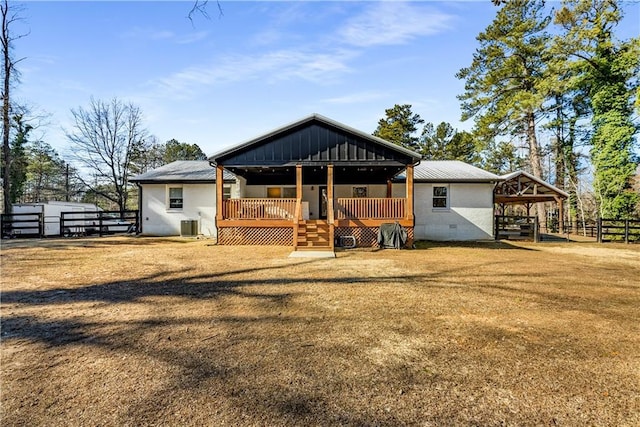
(316, 143)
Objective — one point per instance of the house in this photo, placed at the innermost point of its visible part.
(180, 191)
(313, 182)
(453, 201)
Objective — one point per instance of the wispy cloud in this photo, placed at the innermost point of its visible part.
(355, 98)
(191, 38)
(390, 23)
(148, 34)
(271, 67)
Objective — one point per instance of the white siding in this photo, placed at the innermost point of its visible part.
(199, 201)
(469, 216)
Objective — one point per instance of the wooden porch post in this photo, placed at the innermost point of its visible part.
(219, 193)
(298, 215)
(330, 213)
(389, 188)
(409, 207)
(409, 185)
(298, 181)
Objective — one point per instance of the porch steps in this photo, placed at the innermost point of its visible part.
(313, 235)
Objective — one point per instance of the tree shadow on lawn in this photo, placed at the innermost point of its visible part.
(431, 244)
(89, 242)
(211, 369)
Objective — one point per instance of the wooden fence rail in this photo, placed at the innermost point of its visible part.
(619, 230)
(370, 208)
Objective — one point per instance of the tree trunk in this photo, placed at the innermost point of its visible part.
(535, 161)
(6, 123)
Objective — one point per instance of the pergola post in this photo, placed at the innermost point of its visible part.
(560, 202)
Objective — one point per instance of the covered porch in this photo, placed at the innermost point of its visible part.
(310, 183)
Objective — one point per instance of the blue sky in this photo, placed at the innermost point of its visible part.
(261, 65)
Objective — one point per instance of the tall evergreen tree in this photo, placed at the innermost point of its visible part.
(502, 85)
(176, 150)
(608, 74)
(400, 126)
(446, 143)
(19, 158)
(501, 158)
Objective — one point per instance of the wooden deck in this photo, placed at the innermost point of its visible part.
(256, 221)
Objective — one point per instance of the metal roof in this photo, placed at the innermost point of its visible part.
(521, 187)
(183, 171)
(449, 171)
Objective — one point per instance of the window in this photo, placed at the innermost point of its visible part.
(359, 192)
(226, 192)
(289, 192)
(440, 197)
(175, 198)
(274, 192)
(281, 192)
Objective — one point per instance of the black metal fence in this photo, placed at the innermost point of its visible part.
(22, 225)
(69, 224)
(511, 227)
(98, 223)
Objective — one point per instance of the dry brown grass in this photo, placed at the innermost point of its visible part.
(141, 331)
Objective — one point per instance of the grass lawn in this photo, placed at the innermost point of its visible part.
(144, 331)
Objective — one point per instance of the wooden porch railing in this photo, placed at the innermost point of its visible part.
(371, 208)
(259, 209)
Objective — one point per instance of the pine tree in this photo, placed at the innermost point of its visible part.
(446, 143)
(502, 85)
(400, 126)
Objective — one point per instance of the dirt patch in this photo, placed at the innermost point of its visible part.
(140, 331)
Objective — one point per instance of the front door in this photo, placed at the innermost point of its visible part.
(322, 201)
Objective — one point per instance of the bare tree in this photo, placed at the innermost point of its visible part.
(103, 140)
(199, 7)
(9, 16)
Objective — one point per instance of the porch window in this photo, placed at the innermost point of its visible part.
(289, 192)
(281, 192)
(440, 197)
(359, 192)
(274, 192)
(226, 192)
(175, 198)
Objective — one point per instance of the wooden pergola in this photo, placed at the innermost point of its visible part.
(525, 189)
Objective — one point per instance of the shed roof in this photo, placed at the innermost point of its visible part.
(449, 171)
(183, 171)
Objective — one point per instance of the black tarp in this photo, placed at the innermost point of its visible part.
(391, 236)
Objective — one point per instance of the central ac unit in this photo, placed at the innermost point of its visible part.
(189, 228)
